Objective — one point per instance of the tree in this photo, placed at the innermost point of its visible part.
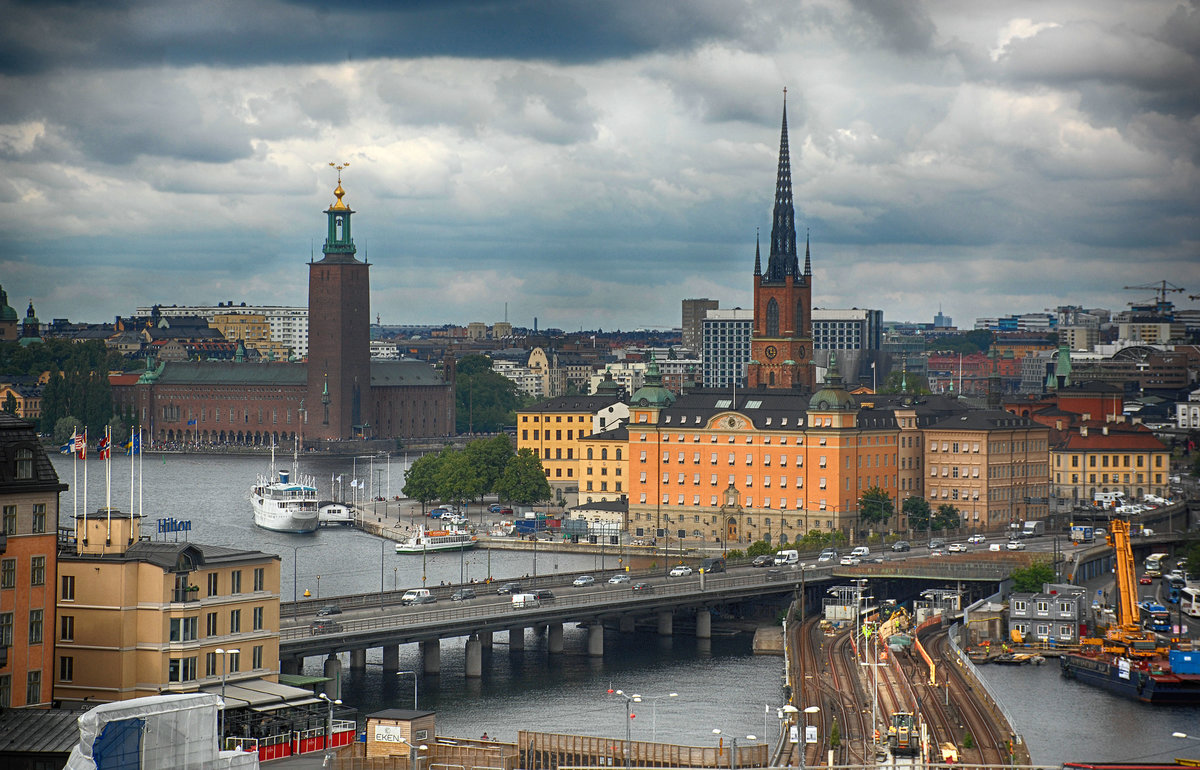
(488, 456)
(913, 384)
(759, 548)
(457, 481)
(65, 427)
(875, 506)
(1031, 579)
(916, 509)
(485, 401)
(523, 481)
(1192, 565)
(420, 482)
(947, 517)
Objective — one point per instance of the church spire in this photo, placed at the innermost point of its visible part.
(807, 255)
(757, 257)
(782, 261)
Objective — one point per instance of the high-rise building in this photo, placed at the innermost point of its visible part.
(694, 311)
(725, 347)
(781, 346)
(339, 306)
(853, 329)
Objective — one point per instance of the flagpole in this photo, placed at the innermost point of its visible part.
(74, 475)
(131, 511)
(84, 458)
(140, 467)
(108, 481)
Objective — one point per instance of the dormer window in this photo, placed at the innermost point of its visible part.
(24, 463)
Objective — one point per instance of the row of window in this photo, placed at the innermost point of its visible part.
(712, 459)
(781, 504)
(33, 689)
(1107, 478)
(1104, 461)
(37, 572)
(36, 620)
(174, 413)
(37, 516)
(557, 418)
(184, 669)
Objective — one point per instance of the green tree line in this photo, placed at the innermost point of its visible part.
(484, 466)
(77, 389)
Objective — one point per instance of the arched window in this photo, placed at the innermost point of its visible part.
(799, 327)
(618, 453)
(604, 453)
(772, 318)
(589, 453)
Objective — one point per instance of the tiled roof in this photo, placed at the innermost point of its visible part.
(1134, 438)
(572, 404)
(16, 433)
(985, 419)
(404, 373)
(39, 731)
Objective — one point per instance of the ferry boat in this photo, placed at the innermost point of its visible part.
(426, 541)
(282, 504)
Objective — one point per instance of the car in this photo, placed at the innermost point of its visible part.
(618, 579)
(462, 595)
(682, 570)
(324, 626)
(937, 542)
(642, 587)
(1015, 545)
(544, 595)
(412, 594)
(766, 560)
(937, 552)
(584, 580)
(901, 545)
(495, 508)
(976, 539)
(509, 588)
(330, 609)
(861, 551)
(425, 599)
(957, 548)
(850, 561)
(1146, 580)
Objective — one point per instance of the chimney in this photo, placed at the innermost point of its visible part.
(1087, 416)
(1105, 429)
(1083, 431)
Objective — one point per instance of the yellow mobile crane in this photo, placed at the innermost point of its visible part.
(1126, 637)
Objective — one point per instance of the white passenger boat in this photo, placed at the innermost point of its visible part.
(427, 541)
(285, 501)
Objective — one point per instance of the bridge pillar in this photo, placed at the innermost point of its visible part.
(391, 658)
(703, 624)
(291, 664)
(431, 656)
(333, 670)
(485, 639)
(596, 640)
(554, 638)
(358, 659)
(627, 624)
(474, 657)
(516, 638)
(666, 623)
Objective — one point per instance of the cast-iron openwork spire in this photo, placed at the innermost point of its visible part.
(757, 257)
(782, 261)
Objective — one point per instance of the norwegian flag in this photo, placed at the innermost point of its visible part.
(105, 448)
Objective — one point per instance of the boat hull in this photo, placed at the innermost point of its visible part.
(301, 523)
(1130, 682)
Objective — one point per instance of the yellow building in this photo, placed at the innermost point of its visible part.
(139, 617)
(28, 399)
(1110, 457)
(992, 465)
(552, 430)
(254, 331)
(604, 466)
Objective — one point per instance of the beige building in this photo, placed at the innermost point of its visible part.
(253, 330)
(604, 466)
(138, 617)
(991, 465)
(1110, 457)
(1079, 338)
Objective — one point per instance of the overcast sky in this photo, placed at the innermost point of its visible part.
(593, 163)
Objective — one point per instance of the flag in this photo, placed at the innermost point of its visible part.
(339, 479)
(105, 448)
(191, 422)
(81, 445)
(135, 446)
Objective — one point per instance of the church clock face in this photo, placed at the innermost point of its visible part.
(771, 351)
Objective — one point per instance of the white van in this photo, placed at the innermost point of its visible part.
(994, 547)
(861, 551)
(525, 601)
(787, 557)
(414, 595)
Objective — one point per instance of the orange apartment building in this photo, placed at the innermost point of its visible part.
(138, 617)
(29, 490)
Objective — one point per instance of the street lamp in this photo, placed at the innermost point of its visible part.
(413, 748)
(629, 715)
(295, 565)
(654, 699)
(804, 736)
(329, 727)
(733, 747)
(224, 653)
(414, 676)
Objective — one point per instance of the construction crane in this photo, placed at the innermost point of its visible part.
(1126, 636)
(1160, 288)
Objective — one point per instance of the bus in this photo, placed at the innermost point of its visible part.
(1154, 616)
(1155, 563)
(1189, 602)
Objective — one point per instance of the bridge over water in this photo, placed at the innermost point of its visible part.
(379, 620)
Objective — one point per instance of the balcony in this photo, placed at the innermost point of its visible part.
(188, 594)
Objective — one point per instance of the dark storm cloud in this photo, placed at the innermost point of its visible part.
(46, 35)
(903, 26)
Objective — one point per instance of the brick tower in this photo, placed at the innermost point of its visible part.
(781, 339)
(339, 332)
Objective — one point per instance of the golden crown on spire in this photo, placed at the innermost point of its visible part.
(339, 192)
